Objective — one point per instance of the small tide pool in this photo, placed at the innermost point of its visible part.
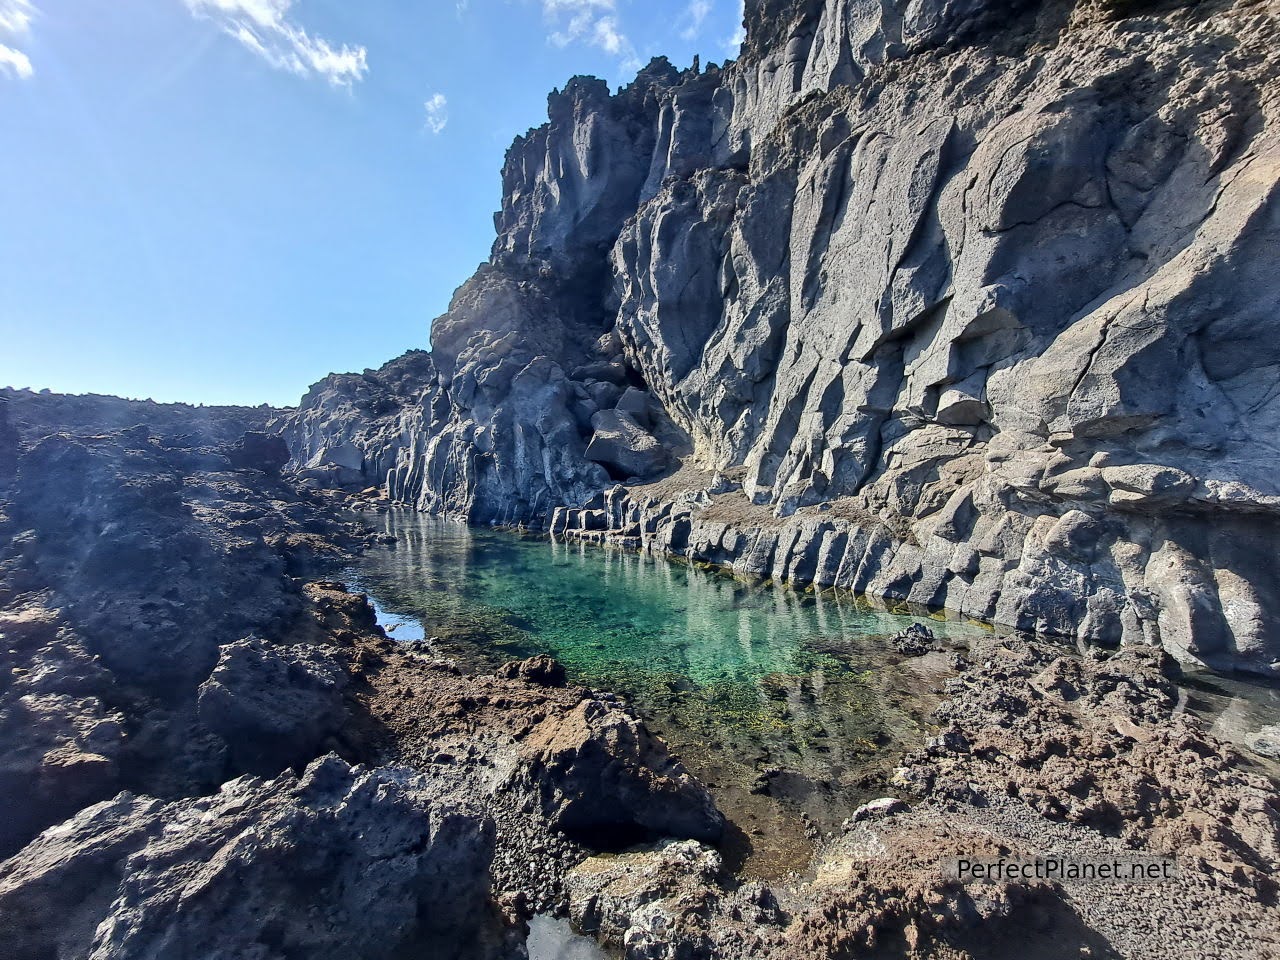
(792, 706)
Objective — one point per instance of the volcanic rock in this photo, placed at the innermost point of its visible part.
(339, 861)
(936, 268)
(274, 705)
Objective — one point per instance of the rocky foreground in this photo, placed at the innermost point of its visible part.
(177, 684)
(211, 750)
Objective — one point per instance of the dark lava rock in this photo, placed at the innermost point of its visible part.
(915, 641)
(606, 781)
(259, 451)
(274, 705)
(625, 447)
(146, 565)
(339, 863)
(543, 670)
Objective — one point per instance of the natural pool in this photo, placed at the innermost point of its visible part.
(791, 705)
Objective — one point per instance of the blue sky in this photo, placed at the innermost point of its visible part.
(221, 201)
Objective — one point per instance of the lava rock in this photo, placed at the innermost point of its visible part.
(259, 451)
(339, 862)
(879, 809)
(625, 447)
(274, 705)
(541, 670)
(607, 782)
(915, 641)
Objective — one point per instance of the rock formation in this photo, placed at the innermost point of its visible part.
(336, 861)
(994, 280)
(162, 651)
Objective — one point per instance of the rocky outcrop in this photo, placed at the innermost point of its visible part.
(609, 782)
(335, 862)
(131, 561)
(992, 279)
(274, 705)
(121, 531)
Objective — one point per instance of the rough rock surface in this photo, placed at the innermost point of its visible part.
(335, 863)
(128, 557)
(274, 705)
(133, 564)
(1038, 752)
(1099, 743)
(994, 279)
(1266, 742)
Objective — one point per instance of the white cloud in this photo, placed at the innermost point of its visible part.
(16, 62)
(263, 26)
(739, 32)
(592, 22)
(15, 24)
(437, 107)
(693, 17)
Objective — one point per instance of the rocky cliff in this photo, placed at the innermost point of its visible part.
(953, 301)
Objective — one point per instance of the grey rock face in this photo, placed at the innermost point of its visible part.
(118, 526)
(127, 559)
(274, 705)
(624, 447)
(62, 742)
(991, 280)
(340, 862)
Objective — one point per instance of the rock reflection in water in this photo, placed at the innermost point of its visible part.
(791, 705)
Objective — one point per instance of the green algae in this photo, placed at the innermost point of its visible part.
(789, 701)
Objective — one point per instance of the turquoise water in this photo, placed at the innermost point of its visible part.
(605, 612)
(786, 702)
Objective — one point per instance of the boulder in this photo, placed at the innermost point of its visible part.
(274, 705)
(541, 670)
(879, 809)
(635, 403)
(624, 447)
(607, 782)
(915, 641)
(340, 862)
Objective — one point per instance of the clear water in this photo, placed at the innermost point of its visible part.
(790, 705)
(551, 938)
